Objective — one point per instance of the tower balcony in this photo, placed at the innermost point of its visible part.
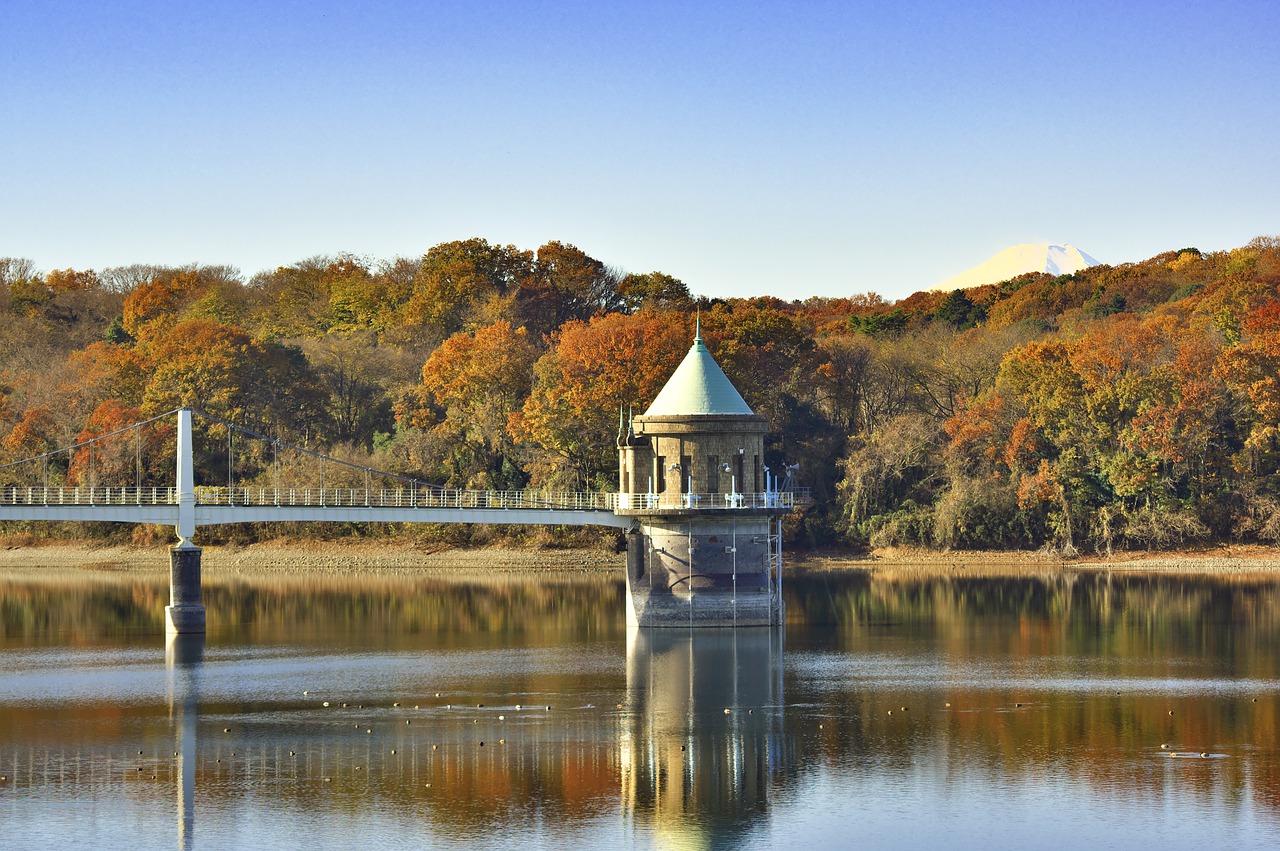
(695, 504)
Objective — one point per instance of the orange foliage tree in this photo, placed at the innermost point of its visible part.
(138, 456)
(595, 369)
(565, 284)
(70, 279)
(1125, 415)
(158, 300)
(33, 434)
(477, 382)
(203, 364)
(462, 285)
(1252, 368)
(103, 371)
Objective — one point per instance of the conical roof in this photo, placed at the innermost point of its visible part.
(698, 387)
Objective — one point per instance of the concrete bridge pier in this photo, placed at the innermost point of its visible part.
(185, 612)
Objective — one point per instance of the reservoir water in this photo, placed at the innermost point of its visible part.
(1065, 711)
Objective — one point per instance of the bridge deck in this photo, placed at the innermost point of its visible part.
(219, 505)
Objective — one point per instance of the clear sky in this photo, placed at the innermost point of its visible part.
(794, 149)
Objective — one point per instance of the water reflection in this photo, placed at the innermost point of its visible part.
(184, 655)
(703, 735)
(423, 711)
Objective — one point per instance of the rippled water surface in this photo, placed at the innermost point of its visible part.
(1086, 711)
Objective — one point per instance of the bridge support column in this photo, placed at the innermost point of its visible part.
(185, 612)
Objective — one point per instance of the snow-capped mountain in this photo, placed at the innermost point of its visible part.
(1019, 260)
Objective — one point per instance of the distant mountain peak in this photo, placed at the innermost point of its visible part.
(1019, 260)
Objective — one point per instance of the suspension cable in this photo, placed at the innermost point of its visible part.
(83, 443)
(276, 445)
(275, 441)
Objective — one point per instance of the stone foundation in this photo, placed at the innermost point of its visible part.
(700, 571)
(185, 614)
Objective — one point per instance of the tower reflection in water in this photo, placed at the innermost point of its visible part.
(704, 735)
(184, 655)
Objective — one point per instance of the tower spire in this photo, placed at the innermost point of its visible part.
(697, 328)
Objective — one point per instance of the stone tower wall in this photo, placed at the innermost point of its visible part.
(707, 443)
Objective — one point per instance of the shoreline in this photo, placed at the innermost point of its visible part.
(1251, 559)
(382, 558)
(323, 559)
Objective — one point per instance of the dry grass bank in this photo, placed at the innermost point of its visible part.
(20, 560)
(1218, 560)
(322, 558)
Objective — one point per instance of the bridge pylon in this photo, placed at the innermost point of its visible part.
(185, 612)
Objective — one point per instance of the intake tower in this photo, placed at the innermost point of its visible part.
(706, 550)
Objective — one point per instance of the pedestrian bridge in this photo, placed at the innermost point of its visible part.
(212, 506)
(187, 506)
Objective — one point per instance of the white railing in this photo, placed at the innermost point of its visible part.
(403, 498)
(11, 495)
(720, 501)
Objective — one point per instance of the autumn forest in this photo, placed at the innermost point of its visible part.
(1134, 406)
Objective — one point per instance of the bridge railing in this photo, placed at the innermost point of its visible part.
(13, 495)
(729, 501)
(401, 498)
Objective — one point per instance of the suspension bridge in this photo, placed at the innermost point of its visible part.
(399, 499)
(187, 506)
(87, 481)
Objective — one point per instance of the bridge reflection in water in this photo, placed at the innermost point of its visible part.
(184, 655)
(418, 712)
(738, 533)
(699, 744)
(704, 732)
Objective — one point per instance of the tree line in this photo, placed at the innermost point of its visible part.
(1127, 406)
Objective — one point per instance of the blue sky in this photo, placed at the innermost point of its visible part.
(792, 149)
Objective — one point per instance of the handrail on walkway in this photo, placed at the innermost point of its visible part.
(401, 498)
(703, 501)
(422, 497)
(15, 495)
